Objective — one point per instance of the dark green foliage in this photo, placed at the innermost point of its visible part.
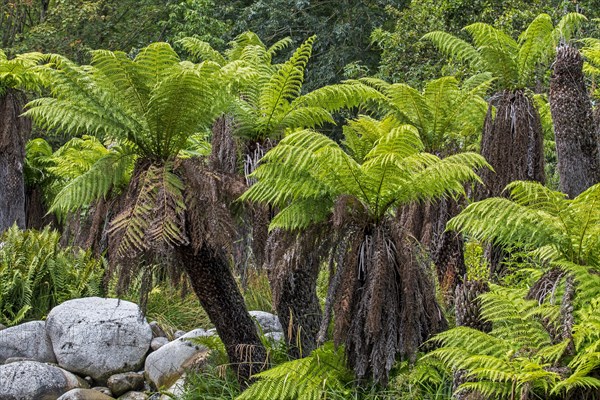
(36, 274)
(343, 29)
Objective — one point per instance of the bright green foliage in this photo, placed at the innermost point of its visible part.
(79, 173)
(538, 219)
(591, 65)
(17, 73)
(512, 63)
(36, 274)
(514, 358)
(152, 103)
(521, 355)
(150, 110)
(37, 153)
(308, 378)
(448, 117)
(520, 349)
(270, 99)
(306, 172)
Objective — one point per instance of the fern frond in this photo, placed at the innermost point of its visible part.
(108, 173)
(201, 50)
(455, 47)
(306, 378)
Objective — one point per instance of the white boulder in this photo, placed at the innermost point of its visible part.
(98, 337)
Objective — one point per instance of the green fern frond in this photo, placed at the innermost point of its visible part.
(452, 46)
(201, 50)
(310, 378)
(110, 172)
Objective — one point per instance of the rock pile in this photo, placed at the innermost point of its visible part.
(100, 349)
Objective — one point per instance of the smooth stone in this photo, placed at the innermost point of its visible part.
(134, 396)
(167, 364)
(158, 342)
(178, 334)
(28, 340)
(85, 394)
(275, 337)
(103, 389)
(33, 380)
(2, 327)
(99, 337)
(157, 330)
(267, 322)
(19, 359)
(125, 382)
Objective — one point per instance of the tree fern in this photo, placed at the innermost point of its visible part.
(382, 166)
(540, 219)
(512, 63)
(446, 115)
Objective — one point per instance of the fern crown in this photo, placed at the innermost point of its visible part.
(384, 166)
(513, 63)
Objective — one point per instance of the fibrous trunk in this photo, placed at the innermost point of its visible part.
(426, 222)
(512, 143)
(293, 263)
(575, 132)
(14, 132)
(468, 313)
(386, 306)
(219, 295)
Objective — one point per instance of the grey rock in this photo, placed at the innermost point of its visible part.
(17, 359)
(27, 340)
(167, 364)
(275, 336)
(103, 389)
(157, 330)
(98, 337)
(267, 322)
(134, 396)
(32, 380)
(2, 327)
(178, 334)
(158, 342)
(125, 382)
(176, 390)
(85, 394)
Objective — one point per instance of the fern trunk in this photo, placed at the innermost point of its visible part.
(386, 306)
(219, 295)
(14, 132)
(293, 261)
(426, 222)
(575, 132)
(512, 142)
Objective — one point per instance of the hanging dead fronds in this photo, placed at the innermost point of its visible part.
(207, 196)
(512, 142)
(386, 304)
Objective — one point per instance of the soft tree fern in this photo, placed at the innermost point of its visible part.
(148, 108)
(448, 116)
(312, 179)
(511, 62)
(152, 113)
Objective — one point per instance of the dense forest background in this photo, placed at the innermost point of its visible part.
(355, 38)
